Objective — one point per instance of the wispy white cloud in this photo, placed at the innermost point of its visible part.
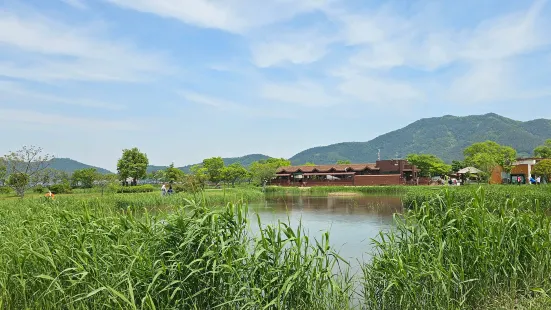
(229, 106)
(48, 49)
(15, 92)
(303, 93)
(380, 91)
(79, 4)
(302, 47)
(62, 122)
(237, 16)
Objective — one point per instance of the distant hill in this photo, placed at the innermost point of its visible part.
(244, 160)
(69, 165)
(445, 137)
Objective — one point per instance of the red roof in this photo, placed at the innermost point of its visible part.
(327, 168)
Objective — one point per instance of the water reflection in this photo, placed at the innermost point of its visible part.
(351, 221)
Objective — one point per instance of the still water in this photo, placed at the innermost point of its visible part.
(351, 221)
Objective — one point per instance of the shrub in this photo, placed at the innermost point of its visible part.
(61, 188)
(39, 189)
(148, 188)
(5, 190)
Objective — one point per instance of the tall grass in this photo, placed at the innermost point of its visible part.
(497, 193)
(78, 254)
(450, 254)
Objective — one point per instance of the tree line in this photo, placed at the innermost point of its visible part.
(485, 156)
(29, 167)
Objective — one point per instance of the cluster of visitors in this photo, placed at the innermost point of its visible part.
(536, 181)
(165, 191)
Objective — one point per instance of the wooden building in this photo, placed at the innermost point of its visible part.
(383, 172)
(522, 168)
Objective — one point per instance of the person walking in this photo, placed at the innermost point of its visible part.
(518, 180)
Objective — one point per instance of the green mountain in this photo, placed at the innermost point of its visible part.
(69, 165)
(243, 160)
(445, 137)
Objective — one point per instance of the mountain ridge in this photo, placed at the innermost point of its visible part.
(445, 136)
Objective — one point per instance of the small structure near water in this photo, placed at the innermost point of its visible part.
(383, 172)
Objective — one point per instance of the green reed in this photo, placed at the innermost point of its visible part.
(88, 254)
(455, 253)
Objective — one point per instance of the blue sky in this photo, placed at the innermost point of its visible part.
(188, 79)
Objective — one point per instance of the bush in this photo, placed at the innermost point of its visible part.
(5, 190)
(38, 189)
(148, 188)
(62, 188)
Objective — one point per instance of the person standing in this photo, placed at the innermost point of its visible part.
(538, 180)
(163, 190)
(518, 180)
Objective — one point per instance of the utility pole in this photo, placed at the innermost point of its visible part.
(378, 154)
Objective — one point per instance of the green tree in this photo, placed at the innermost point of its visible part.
(484, 162)
(106, 180)
(543, 151)
(310, 164)
(23, 165)
(543, 168)
(214, 166)
(3, 172)
(234, 172)
(499, 155)
(343, 162)
(84, 177)
(173, 174)
(198, 178)
(159, 176)
(264, 170)
(457, 165)
(429, 165)
(133, 164)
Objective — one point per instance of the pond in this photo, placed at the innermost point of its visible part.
(352, 221)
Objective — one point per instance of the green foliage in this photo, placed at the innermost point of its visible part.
(458, 165)
(61, 188)
(147, 188)
(429, 165)
(5, 190)
(454, 254)
(445, 137)
(133, 164)
(84, 177)
(19, 181)
(198, 177)
(264, 170)
(173, 175)
(89, 255)
(343, 162)
(543, 168)
(234, 172)
(39, 189)
(311, 164)
(487, 155)
(25, 165)
(543, 151)
(3, 171)
(214, 168)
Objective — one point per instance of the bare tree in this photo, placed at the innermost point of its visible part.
(23, 165)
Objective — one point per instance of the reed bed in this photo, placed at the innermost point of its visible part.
(453, 253)
(457, 248)
(87, 254)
